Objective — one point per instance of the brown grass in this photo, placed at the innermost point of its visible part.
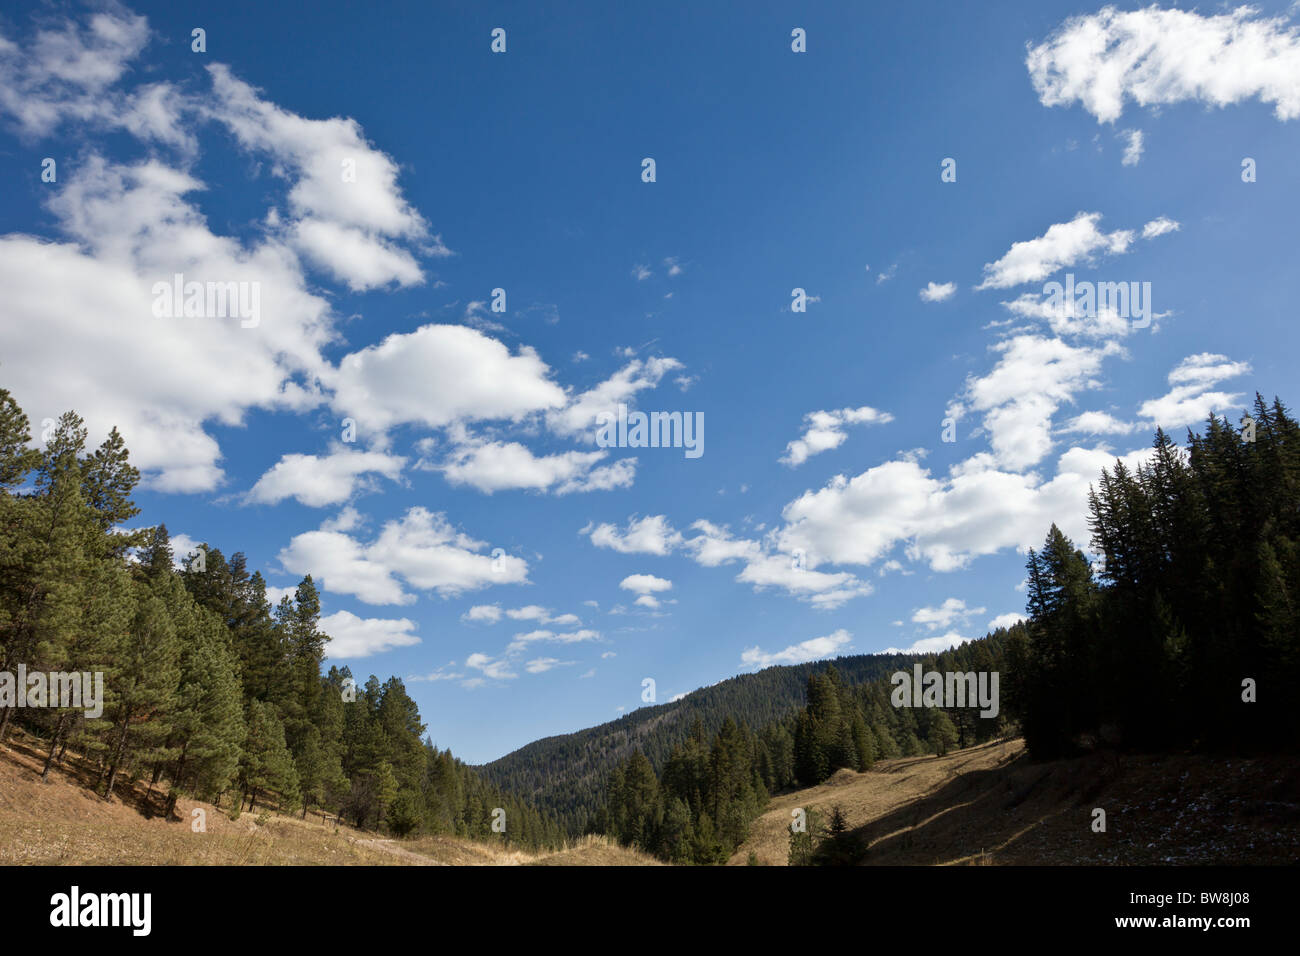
(990, 805)
(64, 823)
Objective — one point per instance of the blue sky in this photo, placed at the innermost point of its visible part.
(826, 515)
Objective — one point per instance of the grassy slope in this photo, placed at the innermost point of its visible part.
(991, 805)
(63, 822)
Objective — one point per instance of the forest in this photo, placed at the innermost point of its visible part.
(1183, 633)
(207, 687)
(698, 808)
(1180, 632)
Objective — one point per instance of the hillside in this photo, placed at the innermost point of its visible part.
(567, 774)
(990, 805)
(64, 823)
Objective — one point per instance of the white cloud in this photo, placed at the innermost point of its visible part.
(274, 594)
(578, 416)
(352, 637)
(937, 292)
(1065, 320)
(1005, 620)
(1034, 376)
(977, 510)
(1191, 400)
(182, 547)
(491, 668)
(482, 614)
(1132, 149)
(824, 430)
(521, 642)
(317, 481)
(649, 535)
(491, 466)
(950, 612)
(92, 299)
(823, 590)
(350, 225)
(541, 665)
(715, 545)
(645, 584)
(1155, 57)
(1098, 423)
(1159, 227)
(420, 550)
(439, 375)
(810, 650)
(930, 645)
(1064, 244)
(641, 272)
(68, 73)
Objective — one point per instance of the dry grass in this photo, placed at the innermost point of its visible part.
(596, 851)
(65, 823)
(990, 805)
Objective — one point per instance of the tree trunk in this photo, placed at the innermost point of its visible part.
(117, 757)
(4, 723)
(54, 745)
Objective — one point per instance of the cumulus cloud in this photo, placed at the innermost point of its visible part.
(1064, 244)
(1064, 319)
(482, 614)
(810, 650)
(645, 584)
(1033, 377)
(978, 509)
(489, 667)
(1155, 57)
(930, 645)
(937, 292)
(950, 612)
(491, 466)
(649, 535)
(824, 430)
(317, 481)
(1192, 397)
(92, 298)
(1097, 423)
(66, 72)
(822, 589)
(345, 210)
(128, 228)
(439, 375)
(578, 416)
(352, 637)
(1006, 620)
(1159, 227)
(419, 550)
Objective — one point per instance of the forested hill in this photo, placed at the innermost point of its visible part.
(208, 691)
(567, 774)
